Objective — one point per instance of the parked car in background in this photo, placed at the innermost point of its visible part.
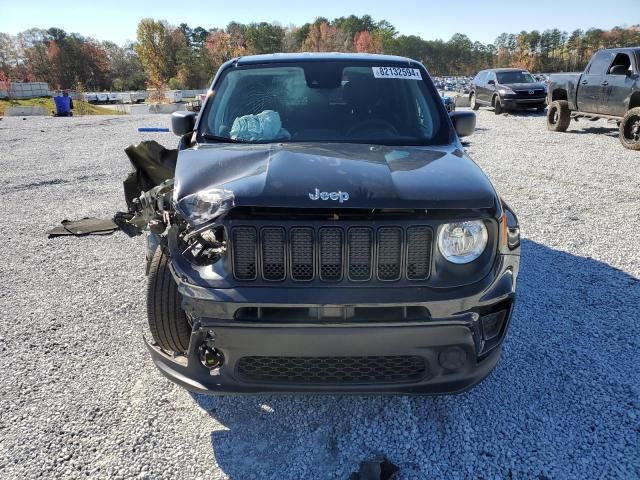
(449, 103)
(507, 89)
(102, 97)
(91, 98)
(609, 88)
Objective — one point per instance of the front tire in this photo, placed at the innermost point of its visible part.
(497, 105)
(473, 103)
(630, 129)
(168, 323)
(558, 116)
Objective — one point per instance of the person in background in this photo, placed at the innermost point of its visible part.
(64, 105)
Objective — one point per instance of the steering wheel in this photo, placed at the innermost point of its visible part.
(372, 122)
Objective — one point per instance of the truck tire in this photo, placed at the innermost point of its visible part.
(630, 129)
(497, 105)
(168, 323)
(558, 116)
(472, 102)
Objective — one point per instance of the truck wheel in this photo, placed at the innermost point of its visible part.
(630, 129)
(558, 116)
(472, 102)
(497, 106)
(167, 321)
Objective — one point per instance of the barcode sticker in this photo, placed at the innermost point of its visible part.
(397, 72)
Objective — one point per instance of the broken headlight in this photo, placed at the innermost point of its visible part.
(205, 205)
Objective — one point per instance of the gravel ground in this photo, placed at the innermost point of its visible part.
(80, 397)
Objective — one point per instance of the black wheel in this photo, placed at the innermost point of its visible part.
(497, 105)
(558, 116)
(472, 102)
(630, 129)
(168, 323)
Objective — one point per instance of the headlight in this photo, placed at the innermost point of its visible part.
(505, 91)
(205, 205)
(462, 242)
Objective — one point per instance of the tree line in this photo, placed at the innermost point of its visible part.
(177, 57)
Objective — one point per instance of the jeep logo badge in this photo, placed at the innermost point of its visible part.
(340, 196)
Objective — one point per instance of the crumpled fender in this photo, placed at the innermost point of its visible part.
(153, 164)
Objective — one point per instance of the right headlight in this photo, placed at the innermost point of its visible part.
(462, 242)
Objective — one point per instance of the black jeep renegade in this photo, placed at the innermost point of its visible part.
(323, 230)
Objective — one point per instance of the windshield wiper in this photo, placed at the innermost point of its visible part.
(218, 138)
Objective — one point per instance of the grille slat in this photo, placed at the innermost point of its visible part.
(333, 370)
(359, 261)
(244, 253)
(302, 253)
(389, 253)
(273, 242)
(355, 253)
(419, 241)
(331, 254)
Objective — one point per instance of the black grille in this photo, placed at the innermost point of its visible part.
(273, 265)
(302, 254)
(244, 253)
(419, 240)
(360, 243)
(526, 93)
(389, 253)
(332, 370)
(332, 253)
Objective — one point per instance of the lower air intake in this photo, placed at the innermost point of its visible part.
(332, 370)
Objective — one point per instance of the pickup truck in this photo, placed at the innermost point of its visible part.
(321, 228)
(609, 89)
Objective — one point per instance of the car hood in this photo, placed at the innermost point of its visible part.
(373, 176)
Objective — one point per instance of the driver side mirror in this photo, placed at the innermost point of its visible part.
(463, 122)
(491, 82)
(183, 122)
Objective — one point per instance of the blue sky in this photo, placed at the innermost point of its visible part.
(481, 20)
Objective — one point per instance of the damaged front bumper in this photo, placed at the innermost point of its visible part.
(344, 340)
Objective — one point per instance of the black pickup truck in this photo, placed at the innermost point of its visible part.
(324, 230)
(609, 88)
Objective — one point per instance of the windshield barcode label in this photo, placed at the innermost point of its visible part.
(397, 72)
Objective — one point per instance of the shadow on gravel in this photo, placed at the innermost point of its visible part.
(610, 131)
(524, 113)
(564, 401)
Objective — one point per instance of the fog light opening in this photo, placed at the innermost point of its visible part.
(492, 324)
(210, 357)
(453, 358)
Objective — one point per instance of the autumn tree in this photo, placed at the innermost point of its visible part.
(155, 48)
(365, 42)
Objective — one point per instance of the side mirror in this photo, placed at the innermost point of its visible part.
(491, 82)
(183, 122)
(463, 122)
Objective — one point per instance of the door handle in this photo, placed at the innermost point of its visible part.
(584, 82)
(605, 83)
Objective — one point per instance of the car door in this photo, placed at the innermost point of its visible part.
(479, 85)
(617, 85)
(490, 86)
(590, 88)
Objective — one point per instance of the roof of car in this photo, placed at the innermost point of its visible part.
(505, 70)
(321, 57)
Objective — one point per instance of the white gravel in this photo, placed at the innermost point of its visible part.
(80, 398)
